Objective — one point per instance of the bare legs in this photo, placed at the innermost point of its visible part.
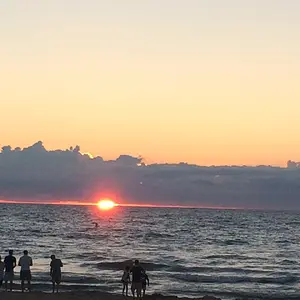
(53, 287)
(138, 290)
(125, 288)
(10, 285)
(23, 285)
(139, 293)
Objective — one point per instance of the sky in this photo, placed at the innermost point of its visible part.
(209, 82)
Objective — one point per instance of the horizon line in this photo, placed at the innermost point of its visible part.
(142, 205)
(139, 205)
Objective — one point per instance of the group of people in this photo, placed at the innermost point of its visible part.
(9, 264)
(136, 275)
(139, 280)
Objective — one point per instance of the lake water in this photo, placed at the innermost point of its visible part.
(233, 254)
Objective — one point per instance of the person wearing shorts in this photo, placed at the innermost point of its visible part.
(55, 272)
(25, 262)
(136, 285)
(10, 263)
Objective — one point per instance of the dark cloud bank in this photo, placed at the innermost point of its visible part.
(36, 174)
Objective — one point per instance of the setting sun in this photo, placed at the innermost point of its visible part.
(106, 204)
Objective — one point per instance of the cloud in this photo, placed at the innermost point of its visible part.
(36, 174)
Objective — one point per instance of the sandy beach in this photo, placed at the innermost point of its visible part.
(85, 295)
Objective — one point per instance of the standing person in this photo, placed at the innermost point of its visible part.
(126, 280)
(25, 262)
(136, 285)
(2, 266)
(55, 272)
(10, 263)
(145, 281)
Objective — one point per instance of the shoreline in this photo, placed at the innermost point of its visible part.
(93, 295)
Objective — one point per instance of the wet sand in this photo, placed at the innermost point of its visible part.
(84, 296)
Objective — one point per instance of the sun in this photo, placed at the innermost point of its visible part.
(106, 204)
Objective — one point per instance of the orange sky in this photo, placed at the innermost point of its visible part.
(197, 81)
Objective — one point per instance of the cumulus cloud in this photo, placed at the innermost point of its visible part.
(36, 174)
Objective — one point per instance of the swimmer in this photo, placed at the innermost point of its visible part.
(96, 224)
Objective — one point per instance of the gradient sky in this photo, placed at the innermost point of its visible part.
(201, 81)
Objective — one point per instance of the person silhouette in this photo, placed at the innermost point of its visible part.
(136, 284)
(145, 282)
(2, 267)
(25, 262)
(126, 280)
(10, 263)
(55, 272)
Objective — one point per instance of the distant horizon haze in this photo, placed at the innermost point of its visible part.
(130, 205)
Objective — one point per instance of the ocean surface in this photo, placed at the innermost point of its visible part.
(232, 254)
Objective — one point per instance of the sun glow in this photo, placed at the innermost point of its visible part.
(106, 204)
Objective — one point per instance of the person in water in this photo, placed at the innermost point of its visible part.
(136, 284)
(126, 280)
(145, 282)
(10, 264)
(96, 224)
(55, 272)
(25, 262)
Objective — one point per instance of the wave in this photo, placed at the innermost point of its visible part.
(238, 294)
(87, 236)
(284, 242)
(288, 262)
(235, 279)
(68, 279)
(155, 235)
(120, 265)
(292, 223)
(182, 269)
(232, 242)
(149, 266)
(82, 280)
(78, 288)
(87, 257)
(233, 256)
